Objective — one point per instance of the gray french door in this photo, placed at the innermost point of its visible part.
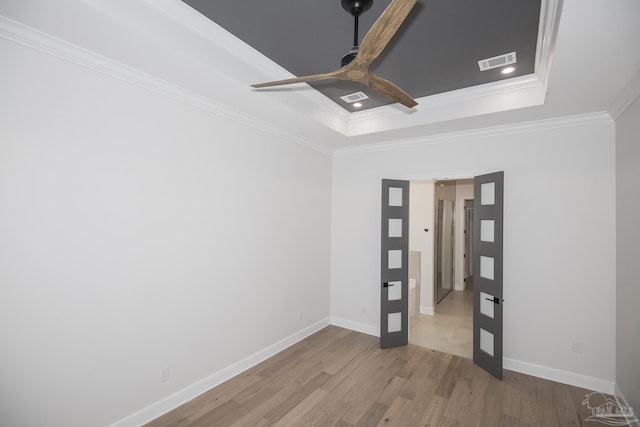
(394, 270)
(487, 272)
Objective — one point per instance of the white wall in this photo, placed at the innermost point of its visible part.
(559, 240)
(138, 232)
(628, 237)
(421, 217)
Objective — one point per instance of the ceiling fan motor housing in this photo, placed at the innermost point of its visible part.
(350, 56)
(359, 6)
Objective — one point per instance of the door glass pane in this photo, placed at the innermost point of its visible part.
(486, 267)
(395, 227)
(395, 290)
(395, 258)
(486, 342)
(487, 227)
(394, 322)
(488, 193)
(395, 196)
(486, 304)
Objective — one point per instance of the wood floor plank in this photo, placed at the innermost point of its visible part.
(328, 412)
(567, 414)
(370, 389)
(529, 410)
(546, 404)
(358, 345)
(479, 385)
(397, 413)
(578, 395)
(341, 378)
(449, 379)
(356, 367)
(373, 415)
(297, 396)
(434, 411)
(511, 404)
(426, 362)
(222, 415)
(491, 408)
(343, 389)
(391, 391)
(256, 416)
(448, 422)
(460, 400)
(293, 417)
(409, 368)
(509, 421)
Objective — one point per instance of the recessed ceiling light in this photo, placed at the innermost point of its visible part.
(357, 104)
(508, 70)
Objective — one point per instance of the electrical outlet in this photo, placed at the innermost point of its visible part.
(364, 311)
(577, 347)
(299, 316)
(165, 373)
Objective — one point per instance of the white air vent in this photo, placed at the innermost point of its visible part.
(354, 97)
(497, 61)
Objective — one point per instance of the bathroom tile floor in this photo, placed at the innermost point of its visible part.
(450, 329)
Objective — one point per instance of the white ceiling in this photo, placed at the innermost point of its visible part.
(591, 67)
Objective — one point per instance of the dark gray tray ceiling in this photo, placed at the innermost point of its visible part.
(436, 50)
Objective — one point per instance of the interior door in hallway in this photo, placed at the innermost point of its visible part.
(487, 272)
(394, 264)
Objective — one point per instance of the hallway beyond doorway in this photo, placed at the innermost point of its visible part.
(450, 329)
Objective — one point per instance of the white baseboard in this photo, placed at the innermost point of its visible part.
(355, 326)
(427, 310)
(558, 375)
(189, 393)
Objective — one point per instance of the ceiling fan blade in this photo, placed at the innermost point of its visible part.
(303, 79)
(383, 30)
(391, 91)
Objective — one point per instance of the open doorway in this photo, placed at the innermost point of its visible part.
(440, 243)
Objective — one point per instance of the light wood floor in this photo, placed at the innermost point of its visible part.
(338, 377)
(451, 328)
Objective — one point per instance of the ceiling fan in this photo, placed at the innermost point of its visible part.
(355, 64)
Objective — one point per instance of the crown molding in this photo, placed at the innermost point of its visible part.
(48, 44)
(550, 14)
(489, 132)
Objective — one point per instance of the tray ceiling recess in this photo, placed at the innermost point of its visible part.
(436, 50)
